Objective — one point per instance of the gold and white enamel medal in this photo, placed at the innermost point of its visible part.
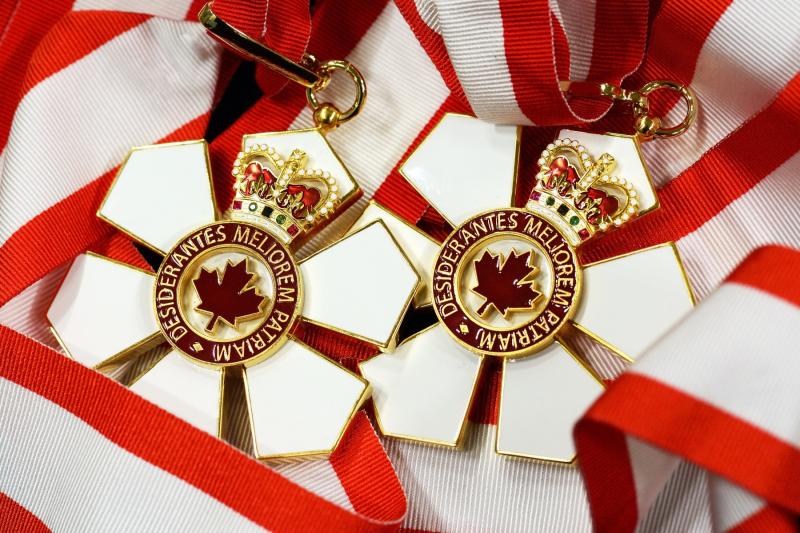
(509, 282)
(230, 294)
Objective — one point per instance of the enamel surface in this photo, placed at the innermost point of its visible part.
(630, 301)
(300, 402)
(360, 285)
(187, 390)
(419, 247)
(102, 309)
(319, 153)
(628, 157)
(423, 389)
(464, 167)
(161, 193)
(542, 397)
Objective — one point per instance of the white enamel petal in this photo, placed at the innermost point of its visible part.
(103, 309)
(629, 161)
(187, 390)
(423, 389)
(161, 193)
(319, 153)
(630, 301)
(361, 285)
(465, 166)
(419, 247)
(542, 396)
(300, 402)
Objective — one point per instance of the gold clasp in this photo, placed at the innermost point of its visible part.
(646, 124)
(314, 76)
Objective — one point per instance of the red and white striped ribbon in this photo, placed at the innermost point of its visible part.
(87, 96)
(284, 26)
(718, 185)
(713, 180)
(507, 57)
(719, 391)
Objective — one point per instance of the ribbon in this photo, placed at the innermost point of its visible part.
(284, 26)
(510, 57)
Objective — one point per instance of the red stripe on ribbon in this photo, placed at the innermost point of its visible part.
(695, 197)
(608, 476)
(532, 54)
(75, 36)
(120, 248)
(686, 426)
(156, 436)
(25, 24)
(434, 46)
(772, 269)
(693, 21)
(528, 35)
(33, 250)
(620, 36)
(14, 517)
(367, 475)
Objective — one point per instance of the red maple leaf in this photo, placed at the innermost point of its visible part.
(506, 285)
(226, 296)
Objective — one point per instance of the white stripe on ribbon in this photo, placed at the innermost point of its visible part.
(473, 33)
(26, 312)
(86, 482)
(730, 504)
(175, 9)
(78, 124)
(752, 220)
(317, 476)
(474, 489)
(651, 468)
(740, 70)
(726, 355)
(428, 13)
(577, 19)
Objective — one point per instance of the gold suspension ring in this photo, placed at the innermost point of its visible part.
(314, 76)
(646, 124)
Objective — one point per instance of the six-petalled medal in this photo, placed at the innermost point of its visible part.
(230, 295)
(508, 282)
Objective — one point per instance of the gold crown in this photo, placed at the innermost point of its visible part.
(581, 191)
(281, 194)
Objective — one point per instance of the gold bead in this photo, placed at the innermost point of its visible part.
(647, 126)
(326, 116)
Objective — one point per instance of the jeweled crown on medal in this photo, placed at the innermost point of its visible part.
(580, 193)
(281, 194)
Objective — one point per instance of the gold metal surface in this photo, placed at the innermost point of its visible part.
(333, 117)
(647, 125)
(249, 47)
(311, 74)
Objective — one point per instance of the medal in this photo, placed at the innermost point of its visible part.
(229, 295)
(509, 282)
